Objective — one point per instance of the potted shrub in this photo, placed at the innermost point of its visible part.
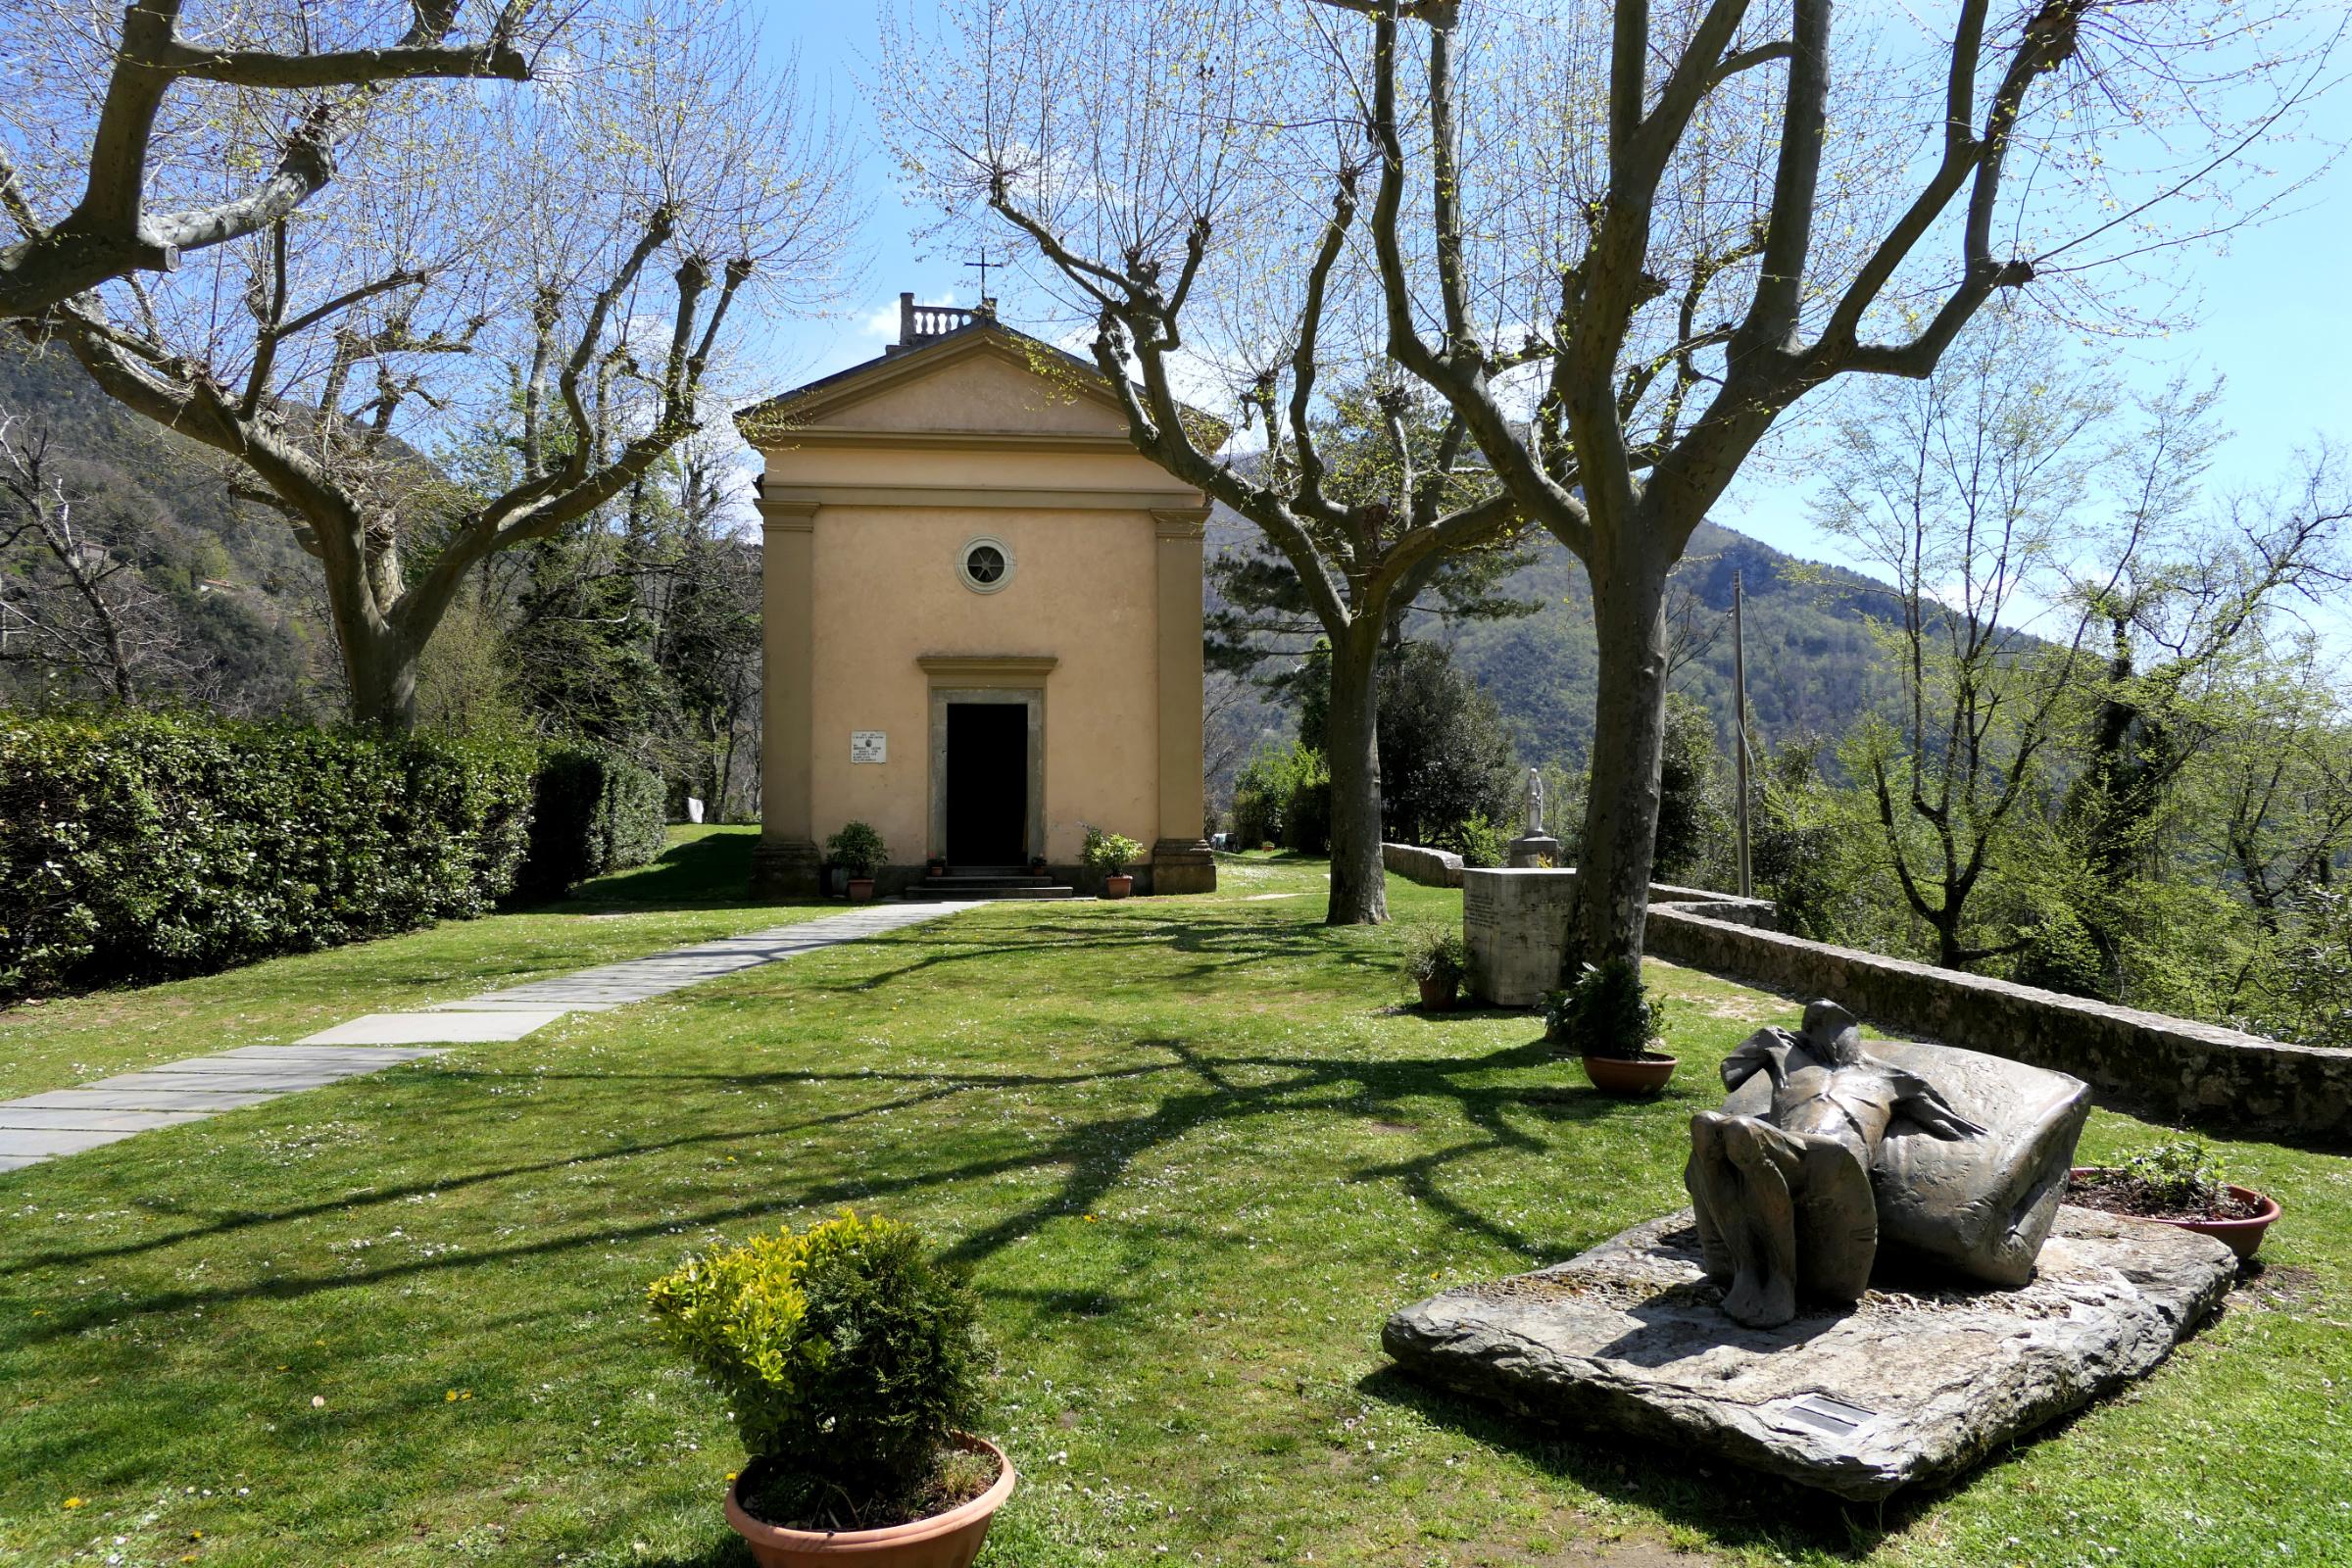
(1612, 1022)
(2180, 1184)
(1037, 865)
(1110, 854)
(851, 1364)
(860, 850)
(936, 867)
(1436, 960)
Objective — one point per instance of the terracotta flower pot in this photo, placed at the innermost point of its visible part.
(1117, 887)
(1616, 1075)
(861, 889)
(2242, 1235)
(950, 1540)
(1438, 993)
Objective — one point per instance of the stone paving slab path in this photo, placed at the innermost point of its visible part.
(66, 1121)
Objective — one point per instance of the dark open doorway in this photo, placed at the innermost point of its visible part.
(988, 783)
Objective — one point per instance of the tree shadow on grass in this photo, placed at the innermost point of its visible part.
(714, 871)
(1220, 943)
(1735, 1507)
(1206, 1089)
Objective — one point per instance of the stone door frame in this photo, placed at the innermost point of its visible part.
(987, 678)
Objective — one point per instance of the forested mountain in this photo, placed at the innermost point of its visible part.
(1810, 664)
(229, 611)
(637, 631)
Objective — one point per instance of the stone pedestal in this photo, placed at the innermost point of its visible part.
(1534, 851)
(1911, 1385)
(1515, 924)
(786, 869)
(1183, 866)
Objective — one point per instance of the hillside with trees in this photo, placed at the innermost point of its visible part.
(1810, 662)
(218, 607)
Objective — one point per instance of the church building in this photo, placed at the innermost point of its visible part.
(982, 616)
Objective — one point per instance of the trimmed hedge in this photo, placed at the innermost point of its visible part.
(146, 847)
(592, 814)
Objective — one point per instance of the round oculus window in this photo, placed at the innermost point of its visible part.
(985, 564)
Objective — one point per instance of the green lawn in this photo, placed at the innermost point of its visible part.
(695, 892)
(1193, 1151)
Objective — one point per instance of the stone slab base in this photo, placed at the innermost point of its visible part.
(1183, 866)
(1534, 852)
(1516, 926)
(1906, 1388)
(787, 868)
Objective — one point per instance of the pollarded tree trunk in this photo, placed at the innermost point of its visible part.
(1360, 894)
(1628, 727)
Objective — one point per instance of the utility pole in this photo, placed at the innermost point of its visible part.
(1739, 749)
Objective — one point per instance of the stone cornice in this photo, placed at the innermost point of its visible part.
(1180, 523)
(820, 436)
(985, 669)
(781, 515)
(950, 497)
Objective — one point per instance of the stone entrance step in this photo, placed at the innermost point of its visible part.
(977, 885)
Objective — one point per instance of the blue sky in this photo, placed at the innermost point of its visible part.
(2273, 312)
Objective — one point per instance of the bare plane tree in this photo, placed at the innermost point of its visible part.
(330, 61)
(1618, 241)
(563, 269)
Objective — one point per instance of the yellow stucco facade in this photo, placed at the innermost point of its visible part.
(952, 532)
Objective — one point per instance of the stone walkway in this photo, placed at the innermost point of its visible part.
(66, 1121)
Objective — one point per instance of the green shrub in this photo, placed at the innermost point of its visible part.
(1306, 813)
(1606, 1012)
(1435, 953)
(1479, 842)
(2185, 1176)
(845, 1354)
(1108, 853)
(1259, 791)
(858, 849)
(145, 847)
(2310, 972)
(592, 813)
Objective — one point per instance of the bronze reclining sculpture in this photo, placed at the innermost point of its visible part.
(1825, 1157)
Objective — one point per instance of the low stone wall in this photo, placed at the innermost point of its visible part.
(1431, 869)
(2178, 1069)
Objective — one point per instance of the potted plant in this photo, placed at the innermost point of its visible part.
(859, 850)
(1037, 865)
(2178, 1184)
(936, 867)
(1613, 1024)
(1109, 854)
(1436, 960)
(851, 1364)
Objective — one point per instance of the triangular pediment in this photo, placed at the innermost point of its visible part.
(985, 378)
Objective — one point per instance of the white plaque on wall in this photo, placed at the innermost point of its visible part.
(869, 746)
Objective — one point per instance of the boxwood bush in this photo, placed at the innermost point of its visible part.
(145, 847)
(846, 1355)
(592, 813)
